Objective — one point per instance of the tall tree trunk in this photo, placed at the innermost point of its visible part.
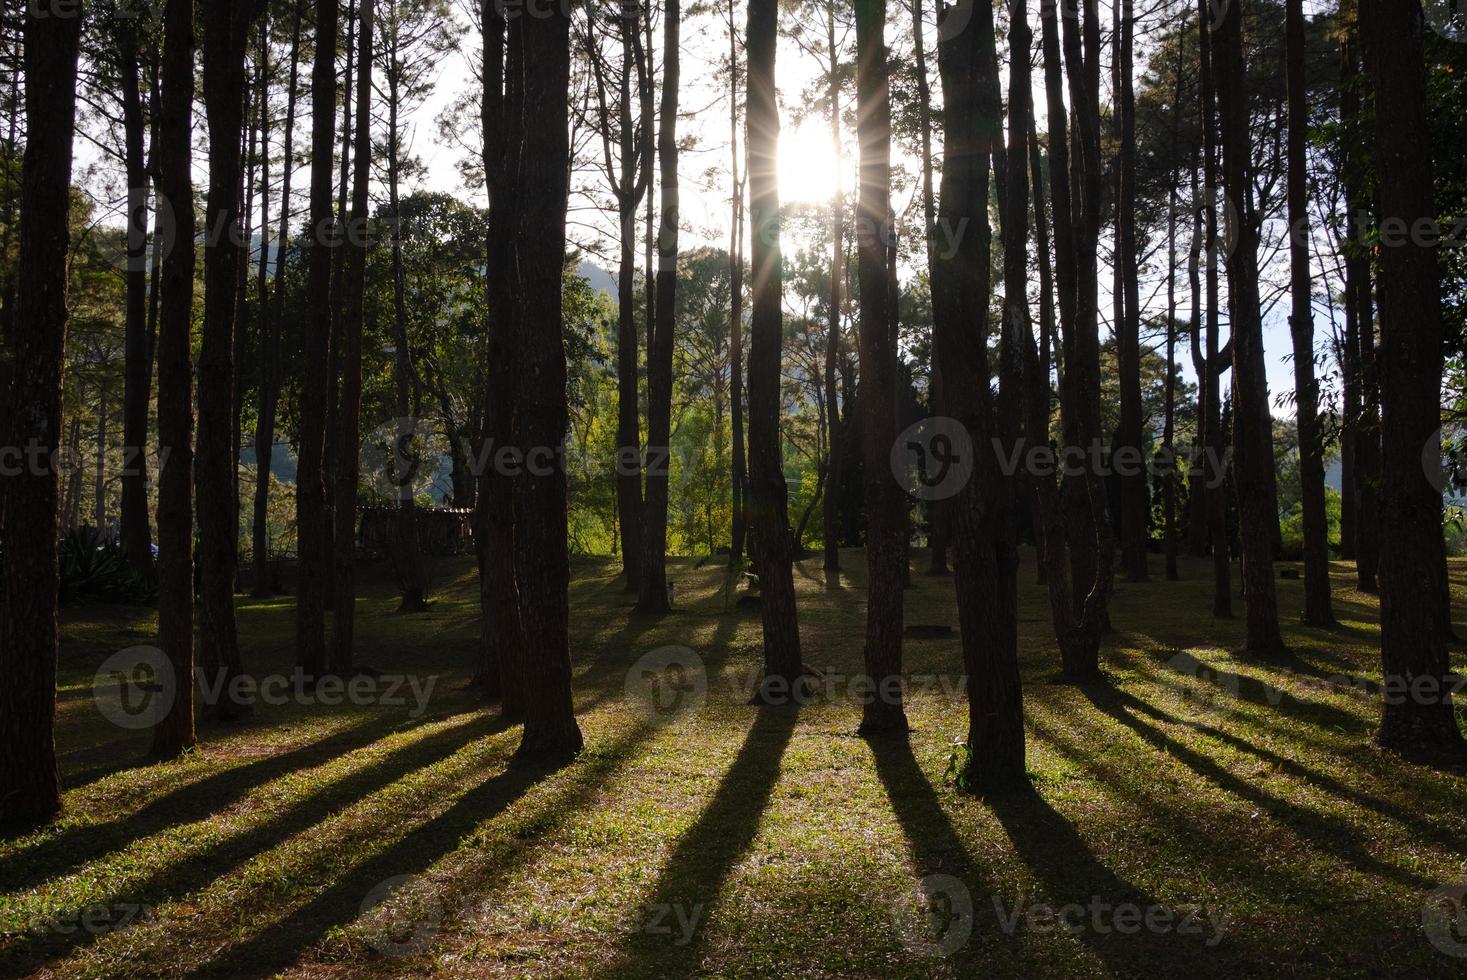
(1360, 313)
(1417, 716)
(99, 511)
(270, 328)
(1135, 502)
(226, 28)
(885, 548)
(832, 343)
(407, 549)
(137, 533)
(1214, 471)
(767, 492)
(736, 302)
(1037, 393)
(540, 419)
(316, 346)
(1317, 607)
(347, 340)
(1252, 421)
(174, 732)
(653, 596)
(30, 793)
(1169, 428)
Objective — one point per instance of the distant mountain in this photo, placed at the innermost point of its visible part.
(599, 278)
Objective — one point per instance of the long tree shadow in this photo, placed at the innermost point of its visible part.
(705, 856)
(1417, 823)
(282, 942)
(1334, 835)
(182, 878)
(75, 846)
(1072, 876)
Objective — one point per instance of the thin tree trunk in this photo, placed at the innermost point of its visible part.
(831, 512)
(407, 549)
(1417, 716)
(501, 648)
(174, 732)
(767, 492)
(1215, 471)
(653, 596)
(1135, 502)
(137, 534)
(226, 28)
(348, 342)
(30, 792)
(1252, 421)
(1317, 607)
(270, 328)
(736, 303)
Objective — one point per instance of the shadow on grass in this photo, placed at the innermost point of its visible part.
(75, 846)
(694, 875)
(179, 879)
(1328, 833)
(1070, 873)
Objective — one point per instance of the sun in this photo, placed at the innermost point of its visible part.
(807, 164)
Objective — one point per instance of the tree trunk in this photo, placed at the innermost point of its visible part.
(30, 793)
(736, 303)
(653, 596)
(885, 549)
(1214, 471)
(137, 534)
(311, 519)
(1417, 717)
(1135, 500)
(540, 494)
(1317, 607)
(226, 28)
(767, 492)
(406, 550)
(271, 326)
(831, 512)
(174, 733)
(347, 340)
(501, 648)
(1252, 421)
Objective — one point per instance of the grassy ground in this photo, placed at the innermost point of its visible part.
(1199, 815)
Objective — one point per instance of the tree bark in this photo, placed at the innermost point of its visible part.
(137, 533)
(1318, 610)
(539, 423)
(270, 328)
(30, 793)
(1417, 717)
(1252, 421)
(767, 492)
(736, 305)
(653, 597)
(882, 712)
(1135, 499)
(226, 28)
(174, 733)
(831, 510)
(347, 340)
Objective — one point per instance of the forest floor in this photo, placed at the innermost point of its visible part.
(1196, 815)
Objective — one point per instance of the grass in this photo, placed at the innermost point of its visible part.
(1199, 815)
